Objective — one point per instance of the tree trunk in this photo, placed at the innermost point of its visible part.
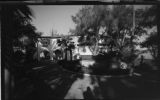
(96, 46)
(65, 50)
(70, 54)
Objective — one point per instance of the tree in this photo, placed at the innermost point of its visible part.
(152, 44)
(152, 18)
(15, 22)
(118, 22)
(45, 42)
(87, 19)
(66, 44)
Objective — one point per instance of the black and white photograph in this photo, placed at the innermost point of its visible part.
(80, 51)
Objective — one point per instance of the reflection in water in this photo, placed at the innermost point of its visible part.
(84, 87)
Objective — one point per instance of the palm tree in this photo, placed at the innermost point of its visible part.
(14, 18)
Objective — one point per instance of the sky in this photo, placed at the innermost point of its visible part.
(56, 17)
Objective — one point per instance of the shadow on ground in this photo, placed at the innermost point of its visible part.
(50, 81)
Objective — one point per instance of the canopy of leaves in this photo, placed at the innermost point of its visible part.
(151, 40)
(16, 22)
(118, 20)
(149, 16)
(152, 44)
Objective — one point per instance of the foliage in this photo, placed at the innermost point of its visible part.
(150, 20)
(45, 42)
(118, 21)
(16, 20)
(149, 17)
(152, 44)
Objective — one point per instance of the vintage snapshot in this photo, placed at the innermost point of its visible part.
(93, 51)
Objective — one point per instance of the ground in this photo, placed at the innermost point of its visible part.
(51, 81)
